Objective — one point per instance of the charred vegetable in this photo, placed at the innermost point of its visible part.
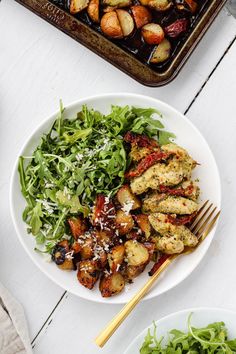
(88, 273)
(111, 284)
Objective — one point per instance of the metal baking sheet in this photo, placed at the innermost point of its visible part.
(121, 55)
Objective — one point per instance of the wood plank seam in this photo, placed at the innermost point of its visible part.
(48, 321)
(210, 75)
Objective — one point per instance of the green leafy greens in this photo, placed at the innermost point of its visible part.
(211, 339)
(78, 159)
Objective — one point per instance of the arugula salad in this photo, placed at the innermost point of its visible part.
(75, 161)
(212, 339)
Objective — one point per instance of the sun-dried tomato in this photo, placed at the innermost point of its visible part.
(181, 220)
(180, 192)
(140, 140)
(147, 162)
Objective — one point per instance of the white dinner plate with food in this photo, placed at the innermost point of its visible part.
(87, 155)
(209, 327)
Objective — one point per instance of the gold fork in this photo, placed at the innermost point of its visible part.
(201, 227)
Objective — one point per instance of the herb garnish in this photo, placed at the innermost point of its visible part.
(211, 339)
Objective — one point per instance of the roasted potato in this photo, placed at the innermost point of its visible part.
(93, 10)
(88, 273)
(153, 33)
(151, 247)
(117, 3)
(141, 14)
(116, 257)
(102, 260)
(161, 52)
(87, 248)
(78, 226)
(144, 2)
(136, 253)
(132, 272)
(67, 264)
(103, 237)
(59, 252)
(160, 5)
(144, 224)
(111, 284)
(127, 199)
(78, 5)
(124, 222)
(134, 235)
(126, 22)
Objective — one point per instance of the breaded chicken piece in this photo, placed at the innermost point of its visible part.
(169, 174)
(159, 203)
(169, 244)
(173, 233)
(192, 190)
(179, 152)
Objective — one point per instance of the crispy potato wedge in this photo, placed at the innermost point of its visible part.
(78, 5)
(136, 253)
(116, 257)
(110, 25)
(93, 10)
(111, 284)
(78, 226)
(161, 52)
(153, 33)
(117, 3)
(141, 14)
(126, 198)
(126, 22)
(124, 222)
(160, 5)
(144, 224)
(88, 273)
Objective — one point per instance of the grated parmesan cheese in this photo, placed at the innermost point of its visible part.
(128, 207)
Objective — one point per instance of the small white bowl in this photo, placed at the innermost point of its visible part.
(201, 317)
(187, 136)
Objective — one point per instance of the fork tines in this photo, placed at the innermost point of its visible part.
(205, 220)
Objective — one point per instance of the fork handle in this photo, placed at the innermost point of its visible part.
(107, 332)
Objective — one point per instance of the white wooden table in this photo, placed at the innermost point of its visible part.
(38, 65)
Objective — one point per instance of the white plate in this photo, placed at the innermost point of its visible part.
(201, 317)
(187, 136)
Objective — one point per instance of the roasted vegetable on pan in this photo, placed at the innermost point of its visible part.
(122, 18)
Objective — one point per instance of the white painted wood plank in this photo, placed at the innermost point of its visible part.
(212, 283)
(52, 65)
(39, 64)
